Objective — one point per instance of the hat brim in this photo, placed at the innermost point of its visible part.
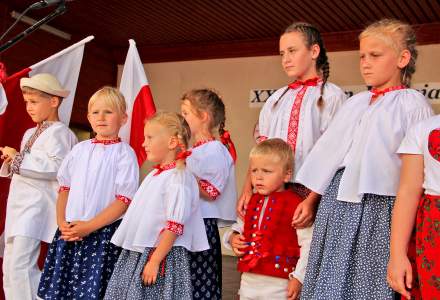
(28, 82)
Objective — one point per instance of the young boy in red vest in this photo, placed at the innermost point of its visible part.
(273, 254)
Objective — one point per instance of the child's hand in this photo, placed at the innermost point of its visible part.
(77, 230)
(63, 226)
(8, 153)
(243, 202)
(293, 289)
(237, 242)
(399, 275)
(304, 215)
(149, 275)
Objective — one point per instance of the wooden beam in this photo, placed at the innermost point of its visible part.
(334, 41)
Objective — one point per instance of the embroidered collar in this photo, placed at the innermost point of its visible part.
(376, 92)
(309, 82)
(160, 169)
(106, 142)
(199, 143)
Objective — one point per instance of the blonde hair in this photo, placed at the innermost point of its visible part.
(208, 100)
(111, 96)
(275, 147)
(398, 35)
(176, 126)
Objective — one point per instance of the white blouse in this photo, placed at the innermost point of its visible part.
(274, 119)
(96, 174)
(364, 139)
(213, 166)
(31, 207)
(165, 201)
(417, 142)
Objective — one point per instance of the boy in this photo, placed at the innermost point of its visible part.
(273, 255)
(30, 212)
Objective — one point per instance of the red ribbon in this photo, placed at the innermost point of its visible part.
(309, 82)
(376, 92)
(3, 74)
(225, 138)
(160, 169)
(183, 154)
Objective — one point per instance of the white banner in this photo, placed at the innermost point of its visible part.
(431, 90)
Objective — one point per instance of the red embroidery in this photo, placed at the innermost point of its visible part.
(209, 188)
(123, 199)
(199, 143)
(63, 188)
(292, 132)
(427, 243)
(175, 227)
(160, 169)
(376, 92)
(434, 144)
(106, 142)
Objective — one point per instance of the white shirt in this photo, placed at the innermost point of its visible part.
(274, 119)
(364, 139)
(417, 142)
(31, 208)
(170, 198)
(212, 163)
(304, 236)
(97, 174)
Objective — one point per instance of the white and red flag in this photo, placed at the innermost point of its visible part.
(140, 105)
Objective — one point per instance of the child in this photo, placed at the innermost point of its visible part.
(97, 180)
(273, 255)
(30, 212)
(213, 167)
(163, 223)
(418, 195)
(302, 111)
(356, 168)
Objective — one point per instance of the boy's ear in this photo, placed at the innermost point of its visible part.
(288, 175)
(124, 119)
(55, 101)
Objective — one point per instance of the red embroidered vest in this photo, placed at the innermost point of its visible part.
(273, 248)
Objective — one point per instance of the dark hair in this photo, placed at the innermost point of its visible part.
(209, 101)
(312, 36)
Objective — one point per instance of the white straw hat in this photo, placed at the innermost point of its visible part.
(46, 83)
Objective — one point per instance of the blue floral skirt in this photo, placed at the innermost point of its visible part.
(173, 281)
(206, 266)
(79, 270)
(350, 248)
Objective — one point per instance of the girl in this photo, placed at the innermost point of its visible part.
(163, 223)
(97, 180)
(356, 168)
(213, 166)
(419, 194)
(302, 111)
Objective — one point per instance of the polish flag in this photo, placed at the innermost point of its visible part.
(140, 105)
(14, 120)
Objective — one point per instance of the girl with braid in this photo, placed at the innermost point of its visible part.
(212, 162)
(300, 112)
(355, 165)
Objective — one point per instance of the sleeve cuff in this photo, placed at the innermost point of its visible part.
(174, 227)
(16, 163)
(123, 199)
(63, 188)
(212, 191)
